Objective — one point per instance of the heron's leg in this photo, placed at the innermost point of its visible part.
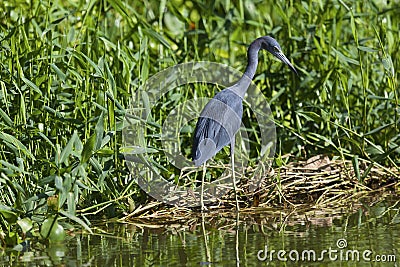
(233, 171)
(203, 208)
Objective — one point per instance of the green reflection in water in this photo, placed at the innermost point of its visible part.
(209, 241)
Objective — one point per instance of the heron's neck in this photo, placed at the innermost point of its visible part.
(252, 59)
(252, 62)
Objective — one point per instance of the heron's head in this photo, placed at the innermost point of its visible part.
(271, 45)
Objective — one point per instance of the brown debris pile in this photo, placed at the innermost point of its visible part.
(322, 182)
(316, 183)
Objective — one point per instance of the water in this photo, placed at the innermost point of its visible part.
(367, 236)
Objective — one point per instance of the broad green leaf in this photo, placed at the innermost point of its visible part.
(25, 224)
(11, 166)
(88, 148)
(77, 220)
(157, 36)
(71, 203)
(79, 56)
(105, 140)
(46, 139)
(388, 65)
(378, 129)
(58, 183)
(119, 7)
(67, 151)
(6, 118)
(367, 49)
(52, 230)
(16, 143)
(309, 115)
(344, 58)
(59, 73)
(105, 152)
(32, 85)
(8, 214)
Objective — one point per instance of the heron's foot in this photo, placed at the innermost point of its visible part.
(203, 208)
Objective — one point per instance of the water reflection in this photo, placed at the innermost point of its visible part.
(265, 238)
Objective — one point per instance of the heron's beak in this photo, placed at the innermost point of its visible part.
(285, 60)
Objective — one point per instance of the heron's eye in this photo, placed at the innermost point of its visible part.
(276, 49)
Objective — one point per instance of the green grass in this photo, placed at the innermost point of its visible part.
(68, 70)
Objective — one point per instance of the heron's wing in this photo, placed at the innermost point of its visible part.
(217, 125)
(209, 138)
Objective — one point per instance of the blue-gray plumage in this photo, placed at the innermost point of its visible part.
(221, 117)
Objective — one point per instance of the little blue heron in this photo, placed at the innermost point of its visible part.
(221, 117)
